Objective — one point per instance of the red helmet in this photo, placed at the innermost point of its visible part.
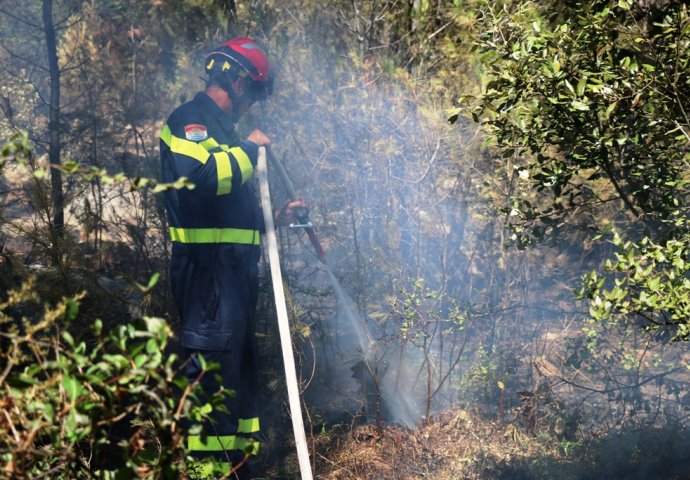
(239, 57)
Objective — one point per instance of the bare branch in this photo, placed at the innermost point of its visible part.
(19, 19)
(22, 59)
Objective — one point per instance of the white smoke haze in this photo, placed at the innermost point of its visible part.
(384, 179)
(420, 289)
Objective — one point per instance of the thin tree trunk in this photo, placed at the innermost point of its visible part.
(54, 130)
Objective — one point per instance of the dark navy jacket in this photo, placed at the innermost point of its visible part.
(215, 227)
(199, 142)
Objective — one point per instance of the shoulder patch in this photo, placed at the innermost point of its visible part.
(195, 132)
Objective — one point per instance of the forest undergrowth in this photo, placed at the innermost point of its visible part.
(523, 271)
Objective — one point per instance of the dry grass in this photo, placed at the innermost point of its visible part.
(455, 445)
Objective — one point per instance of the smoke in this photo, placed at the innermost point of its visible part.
(422, 305)
(355, 373)
(384, 196)
(357, 342)
(388, 181)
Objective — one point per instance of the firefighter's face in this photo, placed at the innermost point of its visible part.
(245, 94)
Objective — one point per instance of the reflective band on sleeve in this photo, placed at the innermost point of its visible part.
(184, 146)
(223, 443)
(224, 171)
(245, 165)
(248, 425)
(215, 235)
(166, 134)
(209, 144)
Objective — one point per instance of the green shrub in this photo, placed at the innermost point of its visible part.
(109, 404)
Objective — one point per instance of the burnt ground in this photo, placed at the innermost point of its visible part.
(461, 445)
(455, 445)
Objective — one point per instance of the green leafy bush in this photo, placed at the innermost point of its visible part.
(584, 105)
(102, 403)
(649, 280)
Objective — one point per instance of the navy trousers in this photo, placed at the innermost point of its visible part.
(215, 287)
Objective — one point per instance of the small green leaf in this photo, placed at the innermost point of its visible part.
(453, 114)
(578, 105)
(153, 280)
(48, 412)
(569, 86)
(151, 346)
(556, 65)
(140, 359)
(71, 309)
(27, 379)
(72, 387)
(68, 338)
(610, 109)
(152, 283)
(202, 362)
(97, 326)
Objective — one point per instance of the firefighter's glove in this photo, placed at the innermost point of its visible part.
(295, 211)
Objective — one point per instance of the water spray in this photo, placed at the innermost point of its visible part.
(364, 347)
(357, 348)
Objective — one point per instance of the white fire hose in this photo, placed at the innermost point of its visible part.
(283, 324)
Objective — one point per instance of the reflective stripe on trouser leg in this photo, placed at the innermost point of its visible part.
(224, 444)
(229, 433)
(230, 436)
(206, 469)
(218, 455)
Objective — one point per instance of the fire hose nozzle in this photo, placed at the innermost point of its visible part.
(302, 215)
(301, 225)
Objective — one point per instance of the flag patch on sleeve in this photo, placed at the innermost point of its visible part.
(195, 132)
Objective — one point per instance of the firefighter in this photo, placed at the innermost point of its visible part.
(215, 230)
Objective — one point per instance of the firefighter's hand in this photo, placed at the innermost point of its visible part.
(290, 212)
(259, 137)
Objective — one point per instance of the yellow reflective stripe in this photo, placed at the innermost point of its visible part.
(166, 134)
(184, 146)
(215, 235)
(204, 469)
(212, 444)
(223, 443)
(209, 144)
(224, 172)
(248, 425)
(243, 161)
(245, 165)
